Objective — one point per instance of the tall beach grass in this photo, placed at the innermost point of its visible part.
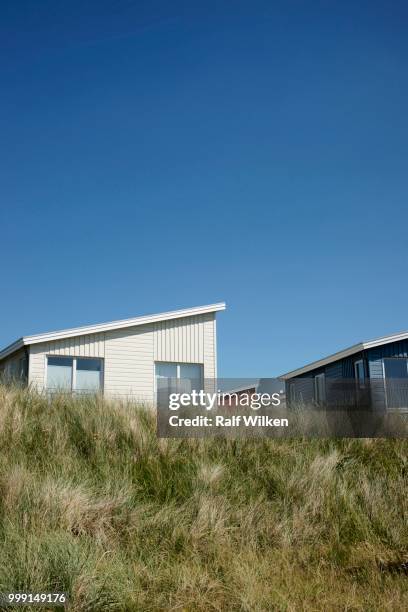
(92, 503)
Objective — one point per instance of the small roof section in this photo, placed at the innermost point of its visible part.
(101, 327)
(356, 348)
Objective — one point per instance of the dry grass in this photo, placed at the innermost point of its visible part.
(92, 503)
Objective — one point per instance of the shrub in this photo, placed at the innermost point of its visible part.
(92, 503)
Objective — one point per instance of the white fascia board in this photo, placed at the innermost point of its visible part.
(101, 327)
(356, 348)
(385, 340)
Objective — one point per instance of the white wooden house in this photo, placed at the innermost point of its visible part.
(122, 359)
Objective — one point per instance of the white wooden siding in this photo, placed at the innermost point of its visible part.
(130, 353)
(210, 348)
(129, 371)
(92, 345)
(36, 365)
(181, 340)
(187, 340)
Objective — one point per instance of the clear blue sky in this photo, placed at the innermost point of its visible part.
(162, 155)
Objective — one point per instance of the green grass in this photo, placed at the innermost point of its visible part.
(92, 503)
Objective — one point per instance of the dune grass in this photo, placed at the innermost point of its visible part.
(92, 503)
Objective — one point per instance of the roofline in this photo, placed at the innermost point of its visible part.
(351, 350)
(101, 327)
(12, 348)
(239, 389)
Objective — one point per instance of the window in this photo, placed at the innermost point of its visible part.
(396, 382)
(23, 368)
(191, 375)
(396, 368)
(292, 392)
(359, 374)
(166, 373)
(59, 373)
(320, 389)
(88, 375)
(83, 375)
(187, 376)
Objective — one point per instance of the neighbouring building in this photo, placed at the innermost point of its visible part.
(232, 397)
(260, 386)
(373, 374)
(123, 359)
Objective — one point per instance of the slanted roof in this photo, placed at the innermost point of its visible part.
(356, 348)
(101, 327)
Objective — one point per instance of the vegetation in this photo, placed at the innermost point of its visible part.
(92, 503)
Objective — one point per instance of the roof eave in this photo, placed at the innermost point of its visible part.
(361, 346)
(102, 327)
(322, 362)
(12, 348)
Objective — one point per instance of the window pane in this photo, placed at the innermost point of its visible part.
(23, 368)
(192, 376)
(166, 370)
(166, 375)
(359, 374)
(183, 377)
(59, 373)
(396, 382)
(60, 361)
(190, 370)
(320, 388)
(88, 374)
(395, 368)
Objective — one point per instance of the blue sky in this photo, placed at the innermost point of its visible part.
(162, 155)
